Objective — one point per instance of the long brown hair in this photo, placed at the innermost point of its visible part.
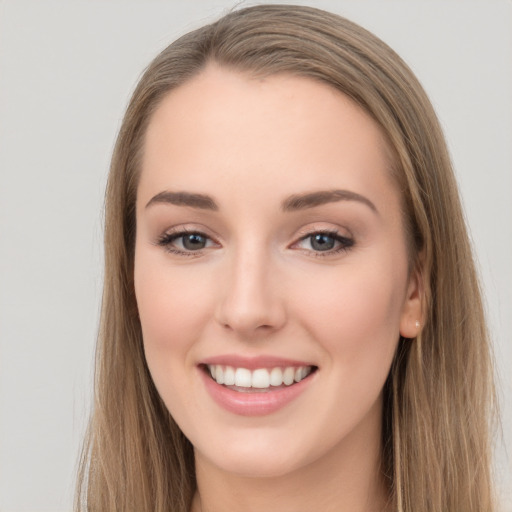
(439, 397)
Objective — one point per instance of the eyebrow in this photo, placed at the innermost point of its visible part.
(200, 201)
(312, 199)
(293, 203)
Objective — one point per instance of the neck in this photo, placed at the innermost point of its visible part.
(348, 478)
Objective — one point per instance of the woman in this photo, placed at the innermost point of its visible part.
(291, 315)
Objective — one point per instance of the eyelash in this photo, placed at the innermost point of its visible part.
(345, 243)
(167, 239)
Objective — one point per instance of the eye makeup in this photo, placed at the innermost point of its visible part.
(193, 243)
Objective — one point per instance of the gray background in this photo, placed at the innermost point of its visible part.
(66, 72)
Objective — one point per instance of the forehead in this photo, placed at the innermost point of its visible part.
(226, 128)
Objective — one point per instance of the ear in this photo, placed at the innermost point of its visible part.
(411, 320)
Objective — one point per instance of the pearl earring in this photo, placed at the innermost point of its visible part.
(417, 324)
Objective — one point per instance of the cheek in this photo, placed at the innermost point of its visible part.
(171, 310)
(355, 316)
(356, 321)
(170, 305)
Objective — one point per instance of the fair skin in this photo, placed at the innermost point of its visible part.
(247, 277)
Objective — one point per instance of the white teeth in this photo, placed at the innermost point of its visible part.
(288, 376)
(261, 378)
(276, 377)
(219, 375)
(243, 378)
(229, 376)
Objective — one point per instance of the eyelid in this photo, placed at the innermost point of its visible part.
(166, 239)
(176, 232)
(187, 229)
(346, 242)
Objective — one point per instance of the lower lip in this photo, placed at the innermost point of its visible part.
(254, 403)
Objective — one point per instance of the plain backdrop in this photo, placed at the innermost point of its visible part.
(67, 69)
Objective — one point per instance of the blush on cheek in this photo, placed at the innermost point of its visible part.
(354, 313)
(170, 321)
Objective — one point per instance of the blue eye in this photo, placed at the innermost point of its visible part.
(325, 242)
(186, 243)
(193, 241)
(322, 242)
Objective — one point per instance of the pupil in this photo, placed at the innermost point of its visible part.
(322, 242)
(194, 241)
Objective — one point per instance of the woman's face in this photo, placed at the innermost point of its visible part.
(270, 253)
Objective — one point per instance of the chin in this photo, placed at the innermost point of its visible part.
(259, 466)
(255, 458)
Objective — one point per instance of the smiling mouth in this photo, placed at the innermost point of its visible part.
(259, 380)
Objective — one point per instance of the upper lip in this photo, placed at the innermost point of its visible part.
(253, 363)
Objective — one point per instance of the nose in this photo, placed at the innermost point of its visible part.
(251, 304)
